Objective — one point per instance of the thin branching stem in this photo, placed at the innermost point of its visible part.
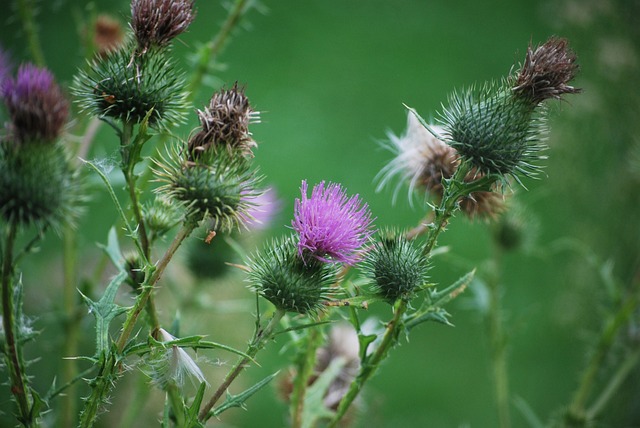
(260, 339)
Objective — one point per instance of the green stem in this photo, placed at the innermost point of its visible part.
(71, 327)
(214, 47)
(260, 339)
(498, 344)
(177, 404)
(370, 366)
(609, 332)
(102, 384)
(13, 350)
(25, 9)
(618, 378)
(149, 285)
(305, 370)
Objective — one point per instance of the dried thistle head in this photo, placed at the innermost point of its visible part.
(547, 70)
(225, 123)
(157, 22)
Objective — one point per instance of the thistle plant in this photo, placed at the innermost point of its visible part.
(202, 188)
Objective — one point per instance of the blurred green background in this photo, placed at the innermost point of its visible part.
(330, 78)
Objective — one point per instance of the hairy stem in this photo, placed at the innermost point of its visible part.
(13, 351)
(305, 369)
(260, 339)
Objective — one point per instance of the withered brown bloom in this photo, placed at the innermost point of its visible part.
(108, 35)
(225, 123)
(157, 22)
(547, 70)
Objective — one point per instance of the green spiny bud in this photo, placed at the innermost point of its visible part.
(496, 131)
(396, 267)
(135, 268)
(291, 284)
(128, 87)
(217, 185)
(160, 216)
(37, 184)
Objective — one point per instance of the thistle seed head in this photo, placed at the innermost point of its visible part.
(157, 22)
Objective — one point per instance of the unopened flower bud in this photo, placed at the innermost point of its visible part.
(157, 22)
(217, 186)
(160, 216)
(291, 284)
(134, 267)
(396, 267)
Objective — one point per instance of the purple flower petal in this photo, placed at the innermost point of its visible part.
(332, 227)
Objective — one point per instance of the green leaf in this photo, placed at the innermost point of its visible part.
(105, 310)
(239, 400)
(314, 408)
(438, 315)
(440, 298)
(112, 249)
(192, 411)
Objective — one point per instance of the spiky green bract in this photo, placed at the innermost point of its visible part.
(498, 132)
(38, 186)
(160, 216)
(279, 275)
(218, 185)
(126, 87)
(396, 267)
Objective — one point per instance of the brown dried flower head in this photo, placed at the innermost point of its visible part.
(424, 161)
(225, 123)
(547, 70)
(108, 35)
(157, 22)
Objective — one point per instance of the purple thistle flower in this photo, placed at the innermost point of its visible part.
(37, 107)
(331, 226)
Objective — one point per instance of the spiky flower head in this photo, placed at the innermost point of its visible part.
(279, 275)
(129, 89)
(547, 71)
(331, 226)
(38, 185)
(216, 186)
(499, 129)
(396, 266)
(225, 123)
(157, 22)
(423, 161)
(36, 105)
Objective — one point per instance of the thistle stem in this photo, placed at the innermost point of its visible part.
(103, 382)
(607, 337)
(305, 370)
(370, 366)
(25, 9)
(13, 351)
(214, 47)
(70, 345)
(260, 339)
(498, 345)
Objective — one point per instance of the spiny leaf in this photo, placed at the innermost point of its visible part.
(240, 399)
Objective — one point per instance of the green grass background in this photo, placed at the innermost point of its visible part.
(330, 79)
